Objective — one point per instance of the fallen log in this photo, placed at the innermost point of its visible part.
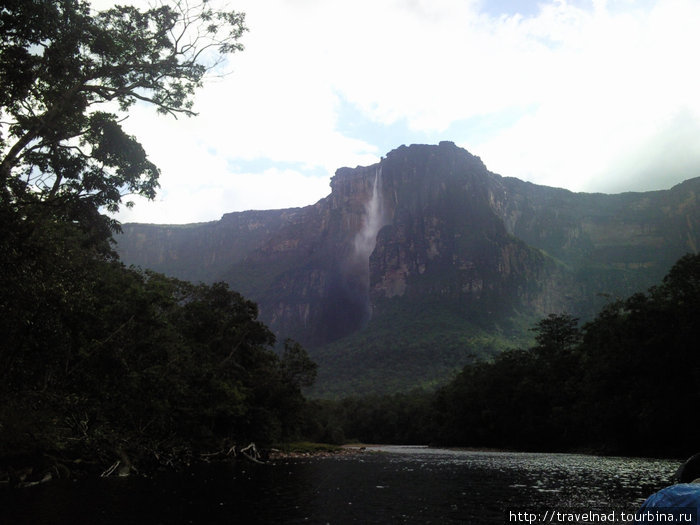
(253, 456)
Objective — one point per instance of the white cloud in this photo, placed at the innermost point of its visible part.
(220, 192)
(605, 92)
(197, 180)
(620, 81)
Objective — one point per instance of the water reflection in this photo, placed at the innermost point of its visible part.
(539, 482)
(398, 485)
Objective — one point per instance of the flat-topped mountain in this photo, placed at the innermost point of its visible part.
(414, 265)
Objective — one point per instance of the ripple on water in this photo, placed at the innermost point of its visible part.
(400, 485)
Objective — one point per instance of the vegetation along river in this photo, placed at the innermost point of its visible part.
(395, 485)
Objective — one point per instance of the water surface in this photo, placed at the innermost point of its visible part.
(396, 485)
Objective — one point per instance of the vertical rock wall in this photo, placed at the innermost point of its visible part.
(429, 224)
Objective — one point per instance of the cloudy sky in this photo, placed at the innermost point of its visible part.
(589, 95)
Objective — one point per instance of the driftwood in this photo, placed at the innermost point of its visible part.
(122, 466)
(29, 476)
(251, 453)
(110, 470)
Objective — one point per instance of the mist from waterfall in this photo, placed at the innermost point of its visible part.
(366, 238)
(357, 276)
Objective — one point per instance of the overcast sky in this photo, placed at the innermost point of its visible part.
(586, 95)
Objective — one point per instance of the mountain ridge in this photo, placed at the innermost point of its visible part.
(428, 227)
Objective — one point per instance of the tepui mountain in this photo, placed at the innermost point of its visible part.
(414, 266)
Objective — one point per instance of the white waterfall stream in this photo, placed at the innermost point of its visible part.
(366, 238)
(364, 243)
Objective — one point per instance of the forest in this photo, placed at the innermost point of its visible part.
(624, 383)
(103, 368)
(108, 369)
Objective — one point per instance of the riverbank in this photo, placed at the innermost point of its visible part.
(305, 449)
(398, 485)
(23, 472)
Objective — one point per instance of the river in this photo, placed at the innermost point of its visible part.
(382, 485)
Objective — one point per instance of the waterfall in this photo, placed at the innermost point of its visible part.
(347, 306)
(357, 269)
(366, 238)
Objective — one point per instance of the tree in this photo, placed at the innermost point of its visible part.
(643, 366)
(68, 77)
(95, 357)
(298, 368)
(557, 333)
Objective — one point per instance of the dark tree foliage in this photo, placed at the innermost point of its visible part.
(68, 76)
(642, 358)
(403, 418)
(99, 362)
(509, 401)
(119, 361)
(627, 382)
(557, 333)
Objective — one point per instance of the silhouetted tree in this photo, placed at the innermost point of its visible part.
(69, 76)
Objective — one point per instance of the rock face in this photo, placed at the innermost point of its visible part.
(202, 251)
(429, 225)
(445, 239)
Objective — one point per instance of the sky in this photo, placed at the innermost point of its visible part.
(588, 95)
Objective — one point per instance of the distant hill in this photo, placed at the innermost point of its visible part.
(414, 266)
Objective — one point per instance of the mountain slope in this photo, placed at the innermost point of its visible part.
(411, 266)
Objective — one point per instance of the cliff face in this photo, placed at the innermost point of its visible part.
(418, 226)
(445, 241)
(429, 226)
(202, 251)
